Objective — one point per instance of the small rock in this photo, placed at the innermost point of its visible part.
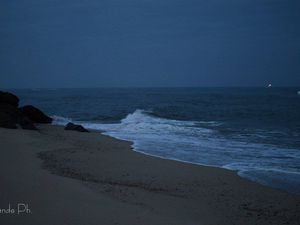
(72, 126)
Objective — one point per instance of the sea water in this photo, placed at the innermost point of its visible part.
(255, 131)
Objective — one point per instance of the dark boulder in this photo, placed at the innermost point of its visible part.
(9, 115)
(72, 126)
(12, 117)
(34, 114)
(27, 124)
(9, 109)
(9, 98)
(6, 121)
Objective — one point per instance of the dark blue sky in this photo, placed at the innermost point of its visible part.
(103, 43)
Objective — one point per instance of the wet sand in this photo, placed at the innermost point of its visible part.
(67, 177)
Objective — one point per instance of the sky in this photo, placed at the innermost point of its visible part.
(149, 43)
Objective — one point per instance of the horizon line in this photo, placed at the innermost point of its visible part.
(152, 87)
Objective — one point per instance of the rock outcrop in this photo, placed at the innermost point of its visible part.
(11, 116)
(72, 126)
(9, 98)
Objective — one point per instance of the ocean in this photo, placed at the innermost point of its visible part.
(254, 131)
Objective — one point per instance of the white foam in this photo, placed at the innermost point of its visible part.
(59, 120)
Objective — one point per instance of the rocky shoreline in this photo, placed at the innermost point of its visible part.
(26, 117)
(12, 116)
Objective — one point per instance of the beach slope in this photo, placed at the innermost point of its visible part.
(67, 177)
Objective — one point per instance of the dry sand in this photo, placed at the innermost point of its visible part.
(73, 178)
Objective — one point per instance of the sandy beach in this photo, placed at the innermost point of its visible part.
(67, 177)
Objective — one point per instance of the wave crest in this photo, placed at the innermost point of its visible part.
(59, 120)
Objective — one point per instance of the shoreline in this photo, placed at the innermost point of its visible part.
(236, 171)
(139, 188)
